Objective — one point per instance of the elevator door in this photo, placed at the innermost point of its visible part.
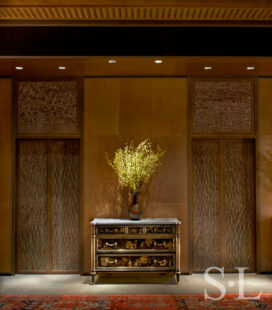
(223, 177)
(47, 205)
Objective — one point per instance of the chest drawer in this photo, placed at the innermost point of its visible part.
(136, 244)
(110, 230)
(163, 229)
(144, 261)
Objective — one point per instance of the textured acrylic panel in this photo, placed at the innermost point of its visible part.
(239, 203)
(47, 107)
(31, 217)
(206, 203)
(222, 107)
(65, 205)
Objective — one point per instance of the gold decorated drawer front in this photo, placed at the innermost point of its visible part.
(135, 230)
(160, 230)
(166, 244)
(136, 261)
(114, 230)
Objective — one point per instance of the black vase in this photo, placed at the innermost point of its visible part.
(134, 211)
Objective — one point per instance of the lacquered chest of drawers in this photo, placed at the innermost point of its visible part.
(147, 245)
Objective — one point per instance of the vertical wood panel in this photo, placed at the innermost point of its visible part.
(5, 176)
(239, 204)
(206, 203)
(265, 173)
(135, 108)
(31, 210)
(65, 205)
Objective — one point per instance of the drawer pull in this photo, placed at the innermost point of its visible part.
(112, 262)
(111, 244)
(160, 244)
(160, 262)
(160, 230)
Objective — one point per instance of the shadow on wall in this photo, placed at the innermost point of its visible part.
(113, 200)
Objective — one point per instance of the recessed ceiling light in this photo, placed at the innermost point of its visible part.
(19, 68)
(62, 68)
(250, 68)
(158, 61)
(112, 61)
(207, 68)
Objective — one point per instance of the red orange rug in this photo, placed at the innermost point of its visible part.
(121, 302)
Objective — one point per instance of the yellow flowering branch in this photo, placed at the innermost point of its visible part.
(135, 165)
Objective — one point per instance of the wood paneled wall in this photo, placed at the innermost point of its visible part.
(265, 173)
(5, 175)
(118, 110)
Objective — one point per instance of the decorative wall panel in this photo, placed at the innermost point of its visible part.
(65, 206)
(47, 107)
(239, 204)
(31, 215)
(206, 202)
(223, 107)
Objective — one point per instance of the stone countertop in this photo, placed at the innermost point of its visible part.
(145, 221)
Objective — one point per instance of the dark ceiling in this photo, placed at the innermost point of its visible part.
(135, 41)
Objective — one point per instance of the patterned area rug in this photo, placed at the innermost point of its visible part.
(119, 302)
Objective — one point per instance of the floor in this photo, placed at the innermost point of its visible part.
(130, 284)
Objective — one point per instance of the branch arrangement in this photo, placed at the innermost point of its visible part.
(135, 165)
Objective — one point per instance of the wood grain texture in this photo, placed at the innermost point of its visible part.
(135, 108)
(47, 107)
(223, 107)
(31, 209)
(265, 174)
(65, 205)
(239, 198)
(5, 176)
(206, 163)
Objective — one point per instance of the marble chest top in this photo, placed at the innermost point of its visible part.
(146, 221)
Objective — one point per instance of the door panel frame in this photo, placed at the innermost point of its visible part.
(49, 257)
(224, 137)
(52, 136)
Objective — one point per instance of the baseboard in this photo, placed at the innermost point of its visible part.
(5, 274)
